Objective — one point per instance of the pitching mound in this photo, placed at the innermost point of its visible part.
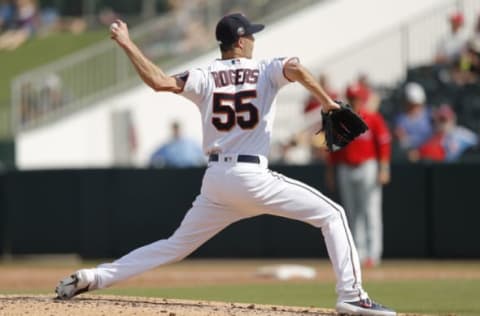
(44, 305)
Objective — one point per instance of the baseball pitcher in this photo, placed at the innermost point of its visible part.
(235, 95)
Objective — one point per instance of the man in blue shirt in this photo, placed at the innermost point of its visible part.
(179, 152)
(414, 126)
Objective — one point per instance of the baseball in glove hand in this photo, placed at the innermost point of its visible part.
(341, 126)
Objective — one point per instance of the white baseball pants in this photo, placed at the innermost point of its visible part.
(233, 191)
(361, 194)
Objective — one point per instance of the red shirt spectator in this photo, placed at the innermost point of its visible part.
(449, 142)
(359, 93)
(362, 169)
(373, 144)
(433, 149)
(363, 87)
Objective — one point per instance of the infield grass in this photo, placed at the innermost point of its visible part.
(437, 297)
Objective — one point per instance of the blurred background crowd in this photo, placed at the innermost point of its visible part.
(167, 30)
(24, 19)
(433, 115)
(84, 106)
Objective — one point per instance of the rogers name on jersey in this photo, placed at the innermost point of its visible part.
(235, 77)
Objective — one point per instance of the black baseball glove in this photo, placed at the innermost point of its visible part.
(341, 126)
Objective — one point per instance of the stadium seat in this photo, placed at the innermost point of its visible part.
(471, 155)
(468, 105)
(431, 78)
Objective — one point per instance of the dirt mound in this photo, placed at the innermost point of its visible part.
(44, 305)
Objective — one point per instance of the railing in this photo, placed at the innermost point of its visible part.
(384, 57)
(57, 89)
(5, 121)
(401, 47)
(77, 81)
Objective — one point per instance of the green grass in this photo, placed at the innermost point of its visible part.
(434, 297)
(40, 51)
(443, 297)
(453, 296)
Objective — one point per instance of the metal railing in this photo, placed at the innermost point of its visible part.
(409, 45)
(384, 58)
(77, 81)
(57, 89)
(5, 122)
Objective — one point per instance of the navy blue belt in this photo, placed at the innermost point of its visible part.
(240, 158)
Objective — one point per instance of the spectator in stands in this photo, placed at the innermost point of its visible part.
(369, 95)
(26, 21)
(179, 152)
(363, 167)
(474, 55)
(449, 141)
(51, 94)
(107, 16)
(27, 14)
(450, 47)
(476, 31)
(414, 126)
(467, 71)
(51, 21)
(190, 32)
(7, 15)
(364, 86)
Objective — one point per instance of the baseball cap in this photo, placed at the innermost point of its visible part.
(233, 26)
(355, 90)
(414, 93)
(456, 18)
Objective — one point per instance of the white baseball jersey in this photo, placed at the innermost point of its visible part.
(236, 98)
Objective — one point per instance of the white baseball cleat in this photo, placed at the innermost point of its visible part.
(364, 307)
(73, 285)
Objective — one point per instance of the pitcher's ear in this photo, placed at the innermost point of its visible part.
(240, 42)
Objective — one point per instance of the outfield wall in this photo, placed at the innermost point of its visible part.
(430, 211)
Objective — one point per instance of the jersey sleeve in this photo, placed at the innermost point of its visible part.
(275, 70)
(195, 85)
(382, 137)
